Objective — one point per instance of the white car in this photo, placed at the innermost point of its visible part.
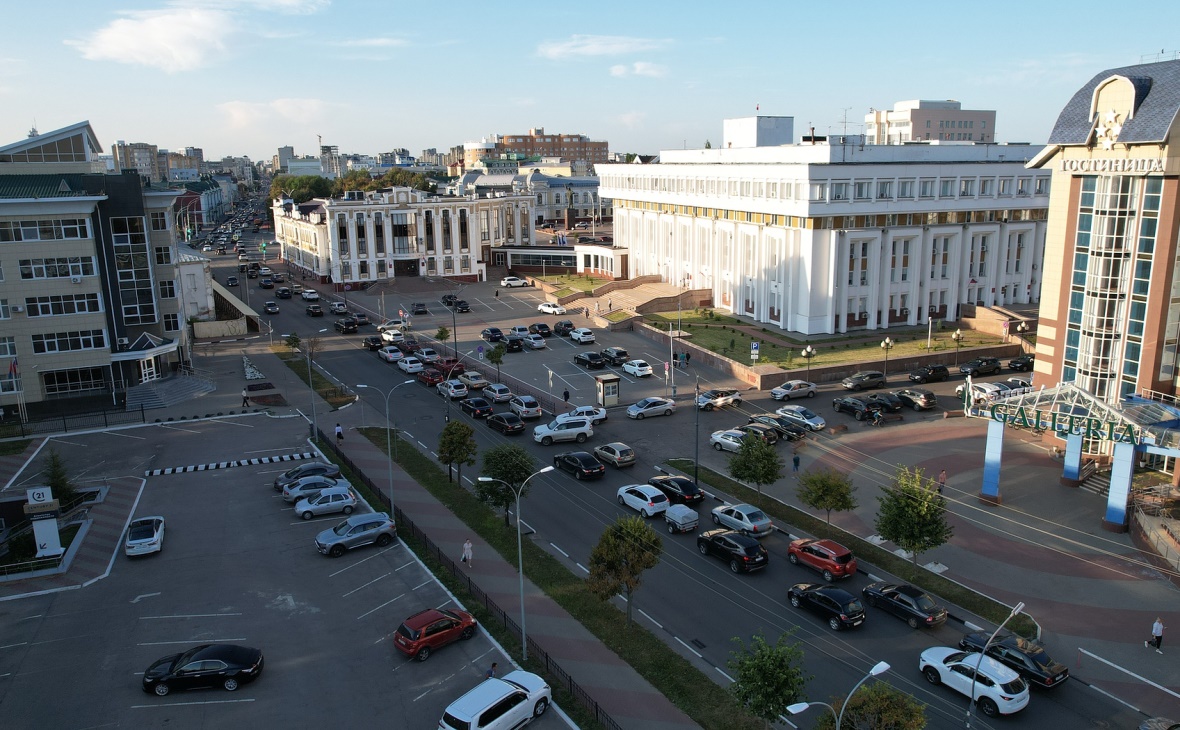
(390, 354)
(206, 247)
(452, 389)
(793, 389)
(497, 393)
(582, 335)
(573, 429)
(998, 690)
(638, 368)
(513, 281)
(337, 499)
(550, 308)
(428, 355)
(144, 535)
(594, 414)
(536, 342)
(727, 440)
(310, 295)
(264, 271)
(525, 406)
(654, 406)
(411, 365)
(505, 703)
(393, 324)
(802, 416)
(337, 307)
(644, 499)
(745, 518)
(519, 330)
(393, 336)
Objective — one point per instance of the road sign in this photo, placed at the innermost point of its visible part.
(754, 351)
(480, 351)
(550, 379)
(666, 368)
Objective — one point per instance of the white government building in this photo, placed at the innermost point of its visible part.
(835, 235)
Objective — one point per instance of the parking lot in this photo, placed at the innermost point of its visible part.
(238, 566)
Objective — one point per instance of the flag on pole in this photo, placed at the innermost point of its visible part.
(12, 369)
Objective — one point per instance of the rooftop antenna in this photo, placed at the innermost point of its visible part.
(846, 110)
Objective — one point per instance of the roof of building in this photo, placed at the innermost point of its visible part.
(56, 135)
(42, 186)
(1157, 103)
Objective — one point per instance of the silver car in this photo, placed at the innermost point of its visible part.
(328, 501)
(356, 531)
(306, 469)
(651, 407)
(802, 416)
(793, 389)
(745, 518)
(498, 393)
(308, 487)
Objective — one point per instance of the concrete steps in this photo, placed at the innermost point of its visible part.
(168, 392)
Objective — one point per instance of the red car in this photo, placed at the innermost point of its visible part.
(450, 366)
(830, 559)
(434, 628)
(430, 376)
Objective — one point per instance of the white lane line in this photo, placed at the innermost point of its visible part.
(383, 605)
(189, 641)
(404, 566)
(723, 674)
(423, 583)
(12, 646)
(312, 521)
(583, 567)
(184, 704)
(189, 615)
(144, 595)
(686, 646)
(468, 480)
(560, 550)
(649, 618)
(423, 445)
(434, 454)
(423, 694)
(407, 434)
(28, 618)
(68, 443)
(124, 435)
(374, 555)
(174, 428)
(366, 585)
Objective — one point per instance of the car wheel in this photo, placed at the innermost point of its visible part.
(578, 475)
(716, 520)
(384, 540)
(581, 438)
(859, 415)
(307, 515)
(718, 446)
(423, 654)
(856, 388)
(161, 689)
(871, 600)
(672, 531)
(913, 622)
(708, 406)
(639, 416)
(645, 514)
(668, 412)
(917, 407)
(834, 623)
(795, 601)
(336, 551)
(622, 501)
(230, 684)
(931, 675)
(546, 441)
(348, 510)
(828, 576)
(540, 707)
(988, 707)
(793, 558)
(811, 394)
(733, 566)
(467, 633)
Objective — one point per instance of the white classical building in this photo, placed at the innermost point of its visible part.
(837, 235)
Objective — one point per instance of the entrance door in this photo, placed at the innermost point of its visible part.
(498, 258)
(148, 371)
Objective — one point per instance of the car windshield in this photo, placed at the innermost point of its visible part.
(626, 452)
(552, 425)
(528, 402)
(752, 550)
(342, 528)
(842, 559)
(854, 606)
(755, 516)
(409, 633)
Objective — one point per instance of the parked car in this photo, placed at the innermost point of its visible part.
(338, 308)
(525, 406)
(511, 282)
(888, 402)
(449, 299)
(411, 365)
(451, 366)
(520, 330)
(356, 531)
(390, 353)
(654, 406)
(679, 490)
(930, 373)
(980, 366)
(584, 336)
(422, 634)
(616, 453)
(1021, 363)
(718, 398)
(400, 325)
(461, 305)
(307, 469)
(492, 334)
(590, 360)
(767, 434)
(727, 440)
(497, 393)
(827, 557)
(550, 308)
(864, 379)
(860, 409)
(574, 429)
(643, 498)
(908, 603)
(428, 355)
(499, 703)
(997, 689)
(419, 308)
(145, 535)
(581, 464)
(794, 389)
(345, 326)
(452, 389)
(393, 336)
(743, 553)
(313, 310)
(594, 414)
(476, 407)
(512, 343)
(328, 501)
(209, 665)
(372, 343)
(783, 427)
(1018, 383)
(638, 368)
(431, 377)
(839, 608)
(745, 518)
(506, 423)
(535, 342)
(615, 355)
(540, 328)
(473, 380)
(918, 399)
(563, 327)
(251, 274)
(1028, 659)
(803, 417)
(305, 487)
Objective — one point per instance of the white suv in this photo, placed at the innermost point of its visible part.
(572, 429)
(582, 335)
(499, 703)
(997, 689)
(310, 295)
(512, 281)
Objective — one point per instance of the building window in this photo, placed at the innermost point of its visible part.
(45, 230)
(7, 347)
(69, 341)
(1041, 186)
(863, 190)
(159, 221)
(1005, 186)
(1022, 186)
(5, 312)
(905, 189)
(134, 274)
(79, 380)
(946, 188)
(839, 191)
(966, 188)
(56, 268)
(926, 189)
(465, 263)
(163, 255)
(168, 289)
(986, 187)
(346, 270)
(885, 190)
(171, 322)
(817, 192)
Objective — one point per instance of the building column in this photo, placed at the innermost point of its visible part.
(1072, 472)
(873, 276)
(1122, 469)
(993, 455)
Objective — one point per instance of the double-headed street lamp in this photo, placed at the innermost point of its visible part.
(524, 641)
(808, 353)
(886, 345)
(1020, 330)
(878, 668)
(957, 336)
(1017, 609)
(388, 435)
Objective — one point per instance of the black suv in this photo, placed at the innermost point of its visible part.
(887, 401)
(616, 355)
(540, 328)
(449, 299)
(345, 326)
(1028, 659)
(981, 366)
(1021, 362)
(512, 343)
(838, 607)
(590, 360)
(930, 373)
(679, 490)
(581, 464)
(563, 328)
(462, 306)
(743, 553)
(859, 409)
(864, 379)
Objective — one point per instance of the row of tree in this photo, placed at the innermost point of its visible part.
(302, 188)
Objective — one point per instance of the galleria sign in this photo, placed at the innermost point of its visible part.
(1091, 428)
(1135, 165)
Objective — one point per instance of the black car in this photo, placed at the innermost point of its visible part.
(767, 434)
(270, 308)
(744, 554)
(283, 292)
(888, 402)
(616, 355)
(204, 666)
(1022, 362)
(781, 425)
(910, 604)
(1028, 659)
(449, 299)
(372, 343)
(838, 607)
(419, 308)
(581, 464)
(859, 409)
(409, 345)
(563, 328)
(251, 273)
(864, 379)
(492, 334)
(314, 310)
(506, 423)
(679, 490)
(360, 317)
(345, 326)
(918, 399)
(512, 343)
(930, 373)
(462, 306)
(307, 469)
(981, 366)
(540, 328)
(231, 281)
(477, 407)
(266, 284)
(591, 360)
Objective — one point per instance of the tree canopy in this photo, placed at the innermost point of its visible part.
(456, 446)
(827, 489)
(911, 514)
(756, 462)
(58, 479)
(626, 549)
(301, 188)
(508, 463)
(768, 678)
(877, 706)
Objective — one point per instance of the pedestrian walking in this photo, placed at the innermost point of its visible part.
(596, 307)
(795, 464)
(1157, 635)
(245, 398)
(339, 434)
(941, 480)
(687, 358)
(565, 396)
(467, 553)
(497, 293)
(492, 670)
(610, 305)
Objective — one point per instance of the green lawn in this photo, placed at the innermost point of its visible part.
(12, 448)
(691, 316)
(618, 315)
(328, 390)
(578, 283)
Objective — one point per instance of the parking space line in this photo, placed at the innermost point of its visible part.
(124, 435)
(723, 674)
(312, 521)
(183, 704)
(13, 646)
(365, 560)
(583, 567)
(423, 583)
(404, 566)
(71, 443)
(649, 618)
(189, 615)
(560, 550)
(383, 605)
(366, 585)
(686, 646)
(174, 428)
(189, 641)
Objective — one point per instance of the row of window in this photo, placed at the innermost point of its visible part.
(44, 230)
(57, 268)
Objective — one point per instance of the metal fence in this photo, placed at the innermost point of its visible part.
(68, 423)
(405, 524)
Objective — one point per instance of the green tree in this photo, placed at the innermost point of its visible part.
(911, 514)
(756, 462)
(442, 335)
(293, 341)
(626, 549)
(508, 463)
(301, 188)
(456, 446)
(58, 479)
(767, 679)
(877, 706)
(827, 489)
(496, 357)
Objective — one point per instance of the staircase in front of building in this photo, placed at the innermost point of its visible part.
(187, 384)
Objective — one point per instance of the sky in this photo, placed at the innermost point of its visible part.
(243, 77)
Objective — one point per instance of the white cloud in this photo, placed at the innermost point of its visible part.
(262, 114)
(632, 120)
(598, 45)
(290, 7)
(175, 39)
(639, 68)
(373, 42)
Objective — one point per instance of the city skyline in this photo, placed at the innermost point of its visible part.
(246, 77)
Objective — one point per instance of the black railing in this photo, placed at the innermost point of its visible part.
(75, 422)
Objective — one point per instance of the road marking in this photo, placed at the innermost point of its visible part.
(423, 694)
(364, 560)
(404, 566)
(425, 582)
(183, 704)
(560, 550)
(189, 641)
(27, 618)
(583, 567)
(723, 674)
(124, 435)
(383, 605)
(686, 646)
(174, 428)
(144, 595)
(68, 443)
(354, 590)
(189, 615)
(649, 618)
(12, 646)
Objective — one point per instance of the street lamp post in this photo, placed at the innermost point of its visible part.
(878, 668)
(696, 440)
(1017, 609)
(887, 345)
(524, 642)
(1020, 330)
(808, 353)
(388, 434)
(957, 336)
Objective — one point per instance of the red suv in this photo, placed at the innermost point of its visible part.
(434, 628)
(832, 560)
